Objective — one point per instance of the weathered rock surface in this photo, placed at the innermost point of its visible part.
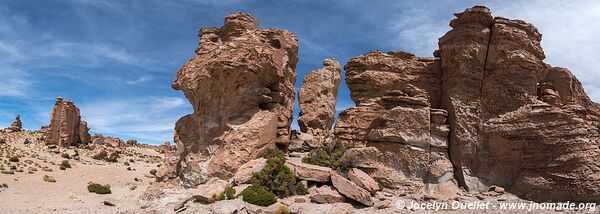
(66, 127)
(317, 100)
(245, 172)
(241, 85)
(397, 119)
(363, 180)
(325, 195)
(351, 190)
(16, 126)
(309, 172)
(486, 110)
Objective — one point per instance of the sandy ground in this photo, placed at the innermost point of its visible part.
(29, 193)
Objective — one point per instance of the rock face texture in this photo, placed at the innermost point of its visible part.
(66, 127)
(486, 110)
(397, 118)
(16, 126)
(317, 99)
(241, 85)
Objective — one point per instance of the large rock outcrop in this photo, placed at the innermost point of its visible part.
(486, 105)
(317, 99)
(397, 118)
(66, 127)
(241, 86)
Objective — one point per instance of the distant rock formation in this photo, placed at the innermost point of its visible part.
(317, 99)
(486, 110)
(66, 127)
(110, 141)
(16, 126)
(241, 85)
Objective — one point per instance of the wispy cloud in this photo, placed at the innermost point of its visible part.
(144, 118)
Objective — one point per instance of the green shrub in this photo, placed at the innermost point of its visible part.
(272, 153)
(98, 188)
(49, 179)
(258, 195)
(230, 192)
(301, 189)
(13, 159)
(332, 156)
(66, 164)
(9, 172)
(277, 178)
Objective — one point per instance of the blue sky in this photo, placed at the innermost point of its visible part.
(116, 59)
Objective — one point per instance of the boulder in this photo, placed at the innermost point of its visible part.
(241, 87)
(66, 127)
(351, 190)
(325, 195)
(363, 180)
(309, 172)
(245, 172)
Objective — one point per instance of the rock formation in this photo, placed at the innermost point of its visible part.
(66, 127)
(317, 99)
(397, 117)
(241, 85)
(486, 110)
(108, 141)
(16, 126)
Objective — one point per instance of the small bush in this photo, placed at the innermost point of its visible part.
(277, 178)
(66, 164)
(301, 189)
(258, 195)
(230, 192)
(153, 172)
(272, 153)
(332, 156)
(8, 172)
(66, 156)
(13, 159)
(98, 188)
(49, 179)
(282, 209)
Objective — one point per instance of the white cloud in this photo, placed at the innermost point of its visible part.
(570, 35)
(146, 118)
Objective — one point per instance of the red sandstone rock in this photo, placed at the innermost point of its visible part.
(241, 85)
(66, 127)
(16, 126)
(317, 99)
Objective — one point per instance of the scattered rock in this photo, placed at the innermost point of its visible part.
(363, 180)
(309, 172)
(325, 195)
(351, 190)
